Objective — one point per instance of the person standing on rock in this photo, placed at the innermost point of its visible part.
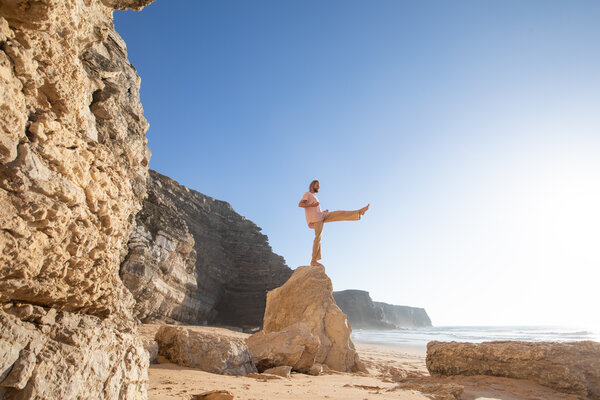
(316, 218)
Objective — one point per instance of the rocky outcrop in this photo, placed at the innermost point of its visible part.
(73, 166)
(360, 310)
(294, 346)
(307, 298)
(193, 259)
(364, 313)
(208, 351)
(45, 354)
(404, 316)
(567, 367)
(74, 156)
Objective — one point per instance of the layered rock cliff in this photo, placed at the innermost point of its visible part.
(404, 316)
(360, 309)
(364, 313)
(193, 259)
(73, 166)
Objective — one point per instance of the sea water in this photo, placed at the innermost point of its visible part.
(419, 337)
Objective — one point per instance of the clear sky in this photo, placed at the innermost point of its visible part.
(472, 128)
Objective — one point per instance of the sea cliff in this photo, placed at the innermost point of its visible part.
(193, 259)
(364, 313)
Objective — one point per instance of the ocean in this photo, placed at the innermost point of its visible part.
(418, 337)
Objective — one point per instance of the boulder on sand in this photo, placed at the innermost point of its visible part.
(307, 298)
(295, 346)
(210, 352)
(567, 367)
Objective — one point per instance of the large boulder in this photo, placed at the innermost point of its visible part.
(568, 367)
(294, 346)
(307, 298)
(211, 352)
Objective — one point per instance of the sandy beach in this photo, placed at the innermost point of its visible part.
(393, 373)
(170, 381)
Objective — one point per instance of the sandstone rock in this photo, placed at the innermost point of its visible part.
(283, 371)
(213, 395)
(307, 298)
(74, 156)
(73, 165)
(568, 367)
(209, 352)
(434, 390)
(151, 346)
(295, 346)
(193, 259)
(74, 356)
(315, 370)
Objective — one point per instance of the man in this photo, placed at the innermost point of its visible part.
(316, 218)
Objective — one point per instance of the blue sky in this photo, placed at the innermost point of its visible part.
(472, 128)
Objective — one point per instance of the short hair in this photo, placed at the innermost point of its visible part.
(312, 185)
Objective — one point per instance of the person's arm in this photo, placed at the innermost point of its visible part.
(306, 204)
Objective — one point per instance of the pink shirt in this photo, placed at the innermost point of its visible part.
(313, 214)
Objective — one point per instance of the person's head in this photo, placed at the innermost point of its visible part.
(314, 186)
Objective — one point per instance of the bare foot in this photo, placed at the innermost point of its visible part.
(315, 264)
(363, 210)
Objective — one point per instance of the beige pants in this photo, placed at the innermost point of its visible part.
(330, 217)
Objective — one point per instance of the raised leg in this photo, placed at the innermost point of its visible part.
(342, 216)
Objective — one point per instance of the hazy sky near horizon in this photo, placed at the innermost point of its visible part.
(472, 128)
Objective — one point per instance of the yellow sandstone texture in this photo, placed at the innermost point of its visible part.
(304, 327)
(73, 166)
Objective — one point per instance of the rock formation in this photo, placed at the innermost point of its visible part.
(307, 298)
(360, 310)
(45, 354)
(364, 313)
(404, 316)
(567, 367)
(73, 166)
(295, 346)
(217, 353)
(193, 259)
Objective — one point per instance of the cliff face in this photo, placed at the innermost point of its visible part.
(73, 165)
(404, 316)
(193, 259)
(364, 313)
(360, 309)
(73, 153)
